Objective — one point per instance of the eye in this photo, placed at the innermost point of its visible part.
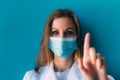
(55, 32)
(69, 33)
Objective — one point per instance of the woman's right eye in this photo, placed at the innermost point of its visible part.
(55, 32)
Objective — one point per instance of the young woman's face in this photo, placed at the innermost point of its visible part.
(63, 27)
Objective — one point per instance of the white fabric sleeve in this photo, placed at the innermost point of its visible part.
(110, 77)
(26, 76)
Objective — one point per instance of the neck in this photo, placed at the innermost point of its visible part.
(61, 64)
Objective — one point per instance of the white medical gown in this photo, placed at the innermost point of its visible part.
(48, 73)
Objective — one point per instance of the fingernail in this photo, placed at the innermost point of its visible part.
(88, 33)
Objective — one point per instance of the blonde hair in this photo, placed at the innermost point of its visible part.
(45, 55)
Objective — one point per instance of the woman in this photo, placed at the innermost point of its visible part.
(63, 56)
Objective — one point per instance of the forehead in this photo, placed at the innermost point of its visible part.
(63, 23)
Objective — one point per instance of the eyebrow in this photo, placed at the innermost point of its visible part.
(55, 28)
(70, 28)
(66, 29)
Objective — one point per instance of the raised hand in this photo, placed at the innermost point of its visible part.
(92, 65)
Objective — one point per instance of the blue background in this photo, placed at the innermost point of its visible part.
(22, 24)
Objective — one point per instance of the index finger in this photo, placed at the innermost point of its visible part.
(87, 44)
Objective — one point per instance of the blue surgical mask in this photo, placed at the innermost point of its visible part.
(63, 47)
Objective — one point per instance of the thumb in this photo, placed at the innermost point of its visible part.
(80, 65)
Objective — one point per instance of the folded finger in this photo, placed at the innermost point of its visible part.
(92, 54)
(98, 61)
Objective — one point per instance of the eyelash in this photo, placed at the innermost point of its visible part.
(69, 32)
(55, 32)
(66, 33)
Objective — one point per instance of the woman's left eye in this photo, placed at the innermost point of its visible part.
(69, 33)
